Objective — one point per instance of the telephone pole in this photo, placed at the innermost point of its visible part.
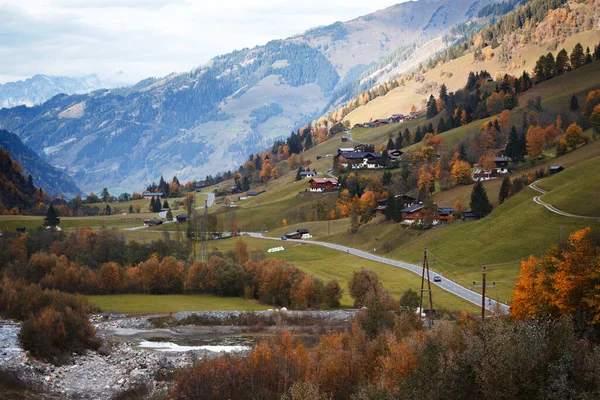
(483, 286)
(426, 268)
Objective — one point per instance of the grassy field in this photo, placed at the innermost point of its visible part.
(153, 304)
(332, 264)
(575, 189)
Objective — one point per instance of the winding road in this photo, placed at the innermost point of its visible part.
(550, 207)
(445, 284)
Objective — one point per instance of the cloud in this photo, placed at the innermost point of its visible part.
(149, 37)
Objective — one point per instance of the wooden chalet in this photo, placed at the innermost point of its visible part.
(420, 213)
(381, 121)
(322, 185)
(182, 217)
(555, 169)
(360, 160)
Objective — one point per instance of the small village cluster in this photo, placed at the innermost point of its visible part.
(385, 121)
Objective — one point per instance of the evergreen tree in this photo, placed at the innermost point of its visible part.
(105, 195)
(577, 56)
(157, 206)
(562, 62)
(430, 128)
(504, 189)
(597, 52)
(308, 143)
(406, 137)
(130, 209)
(512, 146)
(387, 178)
(398, 142)
(441, 126)
(298, 176)
(107, 210)
(431, 107)
(418, 135)
(443, 93)
(166, 204)
(152, 203)
(390, 204)
(30, 183)
(383, 161)
(480, 204)
(574, 103)
(588, 56)
(51, 218)
(169, 216)
(390, 144)
(246, 184)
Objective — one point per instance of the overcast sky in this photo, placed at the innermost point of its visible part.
(143, 38)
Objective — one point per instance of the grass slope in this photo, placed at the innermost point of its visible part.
(151, 304)
(332, 264)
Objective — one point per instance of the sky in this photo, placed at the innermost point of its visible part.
(129, 40)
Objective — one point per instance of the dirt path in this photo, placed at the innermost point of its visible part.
(550, 207)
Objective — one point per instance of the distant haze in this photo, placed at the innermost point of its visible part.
(135, 39)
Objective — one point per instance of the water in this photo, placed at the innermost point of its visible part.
(174, 347)
(218, 345)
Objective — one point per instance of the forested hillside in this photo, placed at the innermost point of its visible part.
(17, 193)
(50, 179)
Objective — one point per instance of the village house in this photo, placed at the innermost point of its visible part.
(307, 174)
(322, 185)
(555, 169)
(381, 121)
(501, 169)
(420, 213)
(150, 195)
(360, 160)
(397, 118)
(394, 154)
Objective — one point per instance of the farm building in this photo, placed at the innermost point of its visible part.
(321, 185)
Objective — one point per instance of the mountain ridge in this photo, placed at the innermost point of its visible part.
(40, 88)
(200, 122)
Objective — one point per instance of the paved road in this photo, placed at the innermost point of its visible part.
(550, 207)
(209, 202)
(445, 284)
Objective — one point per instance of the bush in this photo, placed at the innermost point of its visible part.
(52, 335)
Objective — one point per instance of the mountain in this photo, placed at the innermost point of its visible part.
(209, 120)
(45, 176)
(40, 88)
(16, 191)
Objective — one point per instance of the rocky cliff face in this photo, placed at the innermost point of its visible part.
(209, 120)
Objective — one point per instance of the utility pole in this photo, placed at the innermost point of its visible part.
(426, 268)
(483, 285)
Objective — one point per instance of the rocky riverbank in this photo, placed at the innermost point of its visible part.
(122, 364)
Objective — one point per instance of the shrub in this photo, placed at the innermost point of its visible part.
(52, 335)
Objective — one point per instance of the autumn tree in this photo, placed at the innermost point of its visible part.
(332, 294)
(111, 279)
(458, 209)
(595, 121)
(360, 284)
(461, 173)
(536, 140)
(574, 136)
